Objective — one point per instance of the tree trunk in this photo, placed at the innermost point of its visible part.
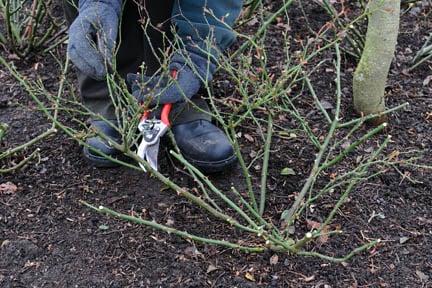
(372, 71)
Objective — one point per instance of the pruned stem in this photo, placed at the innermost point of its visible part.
(266, 157)
(153, 224)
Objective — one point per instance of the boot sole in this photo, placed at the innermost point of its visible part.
(213, 167)
(100, 161)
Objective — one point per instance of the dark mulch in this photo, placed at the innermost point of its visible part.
(48, 239)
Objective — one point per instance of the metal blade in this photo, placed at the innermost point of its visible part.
(142, 148)
(152, 153)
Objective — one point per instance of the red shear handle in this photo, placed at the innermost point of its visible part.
(167, 107)
(165, 114)
(145, 115)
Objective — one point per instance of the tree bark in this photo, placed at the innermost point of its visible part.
(372, 71)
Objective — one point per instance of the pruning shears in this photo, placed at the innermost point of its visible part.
(152, 131)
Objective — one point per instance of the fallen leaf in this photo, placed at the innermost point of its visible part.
(309, 279)
(8, 188)
(249, 277)
(170, 222)
(402, 240)
(192, 251)
(29, 264)
(4, 243)
(344, 264)
(249, 138)
(427, 80)
(13, 57)
(422, 276)
(211, 268)
(274, 259)
(287, 171)
(313, 224)
(326, 105)
(394, 155)
(103, 227)
(324, 237)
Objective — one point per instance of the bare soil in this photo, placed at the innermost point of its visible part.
(48, 239)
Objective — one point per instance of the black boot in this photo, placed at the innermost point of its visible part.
(205, 146)
(100, 144)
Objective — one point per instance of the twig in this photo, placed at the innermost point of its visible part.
(343, 259)
(169, 230)
(21, 163)
(372, 116)
(264, 171)
(289, 215)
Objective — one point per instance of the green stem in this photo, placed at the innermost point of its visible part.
(352, 185)
(342, 259)
(16, 149)
(264, 171)
(246, 173)
(170, 230)
(289, 215)
(21, 163)
(372, 116)
(216, 191)
(194, 176)
(354, 145)
(317, 101)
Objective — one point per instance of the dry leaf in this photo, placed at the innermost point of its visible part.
(402, 240)
(333, 176)
(249, 277)
(211, 268)
(274, 259)
(8, 188)
(313, 224)
(423, 277)
(324, 237)
(192, 251)
(427, 80)
(13, 57)
(326, 105)
(394, 155)
(249, 138)
(29, 264)
(309, 279)
(170, 222)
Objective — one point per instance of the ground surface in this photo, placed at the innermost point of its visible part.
(48, 239)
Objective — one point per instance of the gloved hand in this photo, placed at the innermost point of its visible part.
(191, 71)
(93, 35)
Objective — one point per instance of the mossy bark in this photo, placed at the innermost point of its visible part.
(372, 71)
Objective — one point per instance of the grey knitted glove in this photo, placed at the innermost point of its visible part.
(92, 36)
(164, 89)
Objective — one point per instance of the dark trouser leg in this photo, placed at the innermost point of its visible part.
(133, 51)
